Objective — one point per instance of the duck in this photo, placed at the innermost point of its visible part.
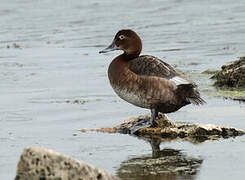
(147, 81)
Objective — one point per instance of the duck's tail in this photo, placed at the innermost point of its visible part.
(189, 93)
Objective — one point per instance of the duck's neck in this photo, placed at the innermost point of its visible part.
(129, 56)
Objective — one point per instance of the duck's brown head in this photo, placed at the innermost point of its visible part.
(126, 40)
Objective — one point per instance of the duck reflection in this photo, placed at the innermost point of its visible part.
(165, 164)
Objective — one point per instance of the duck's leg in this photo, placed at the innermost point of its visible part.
(154, 115)
(145, 123)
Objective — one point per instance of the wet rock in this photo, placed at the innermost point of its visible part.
(232, 75)
(37, 163)
(169, 131)
(230, 81)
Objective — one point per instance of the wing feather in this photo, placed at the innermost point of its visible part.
(151, 66)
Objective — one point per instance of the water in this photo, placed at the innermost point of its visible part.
(58, 61)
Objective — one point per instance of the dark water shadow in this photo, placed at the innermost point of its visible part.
(165, 164)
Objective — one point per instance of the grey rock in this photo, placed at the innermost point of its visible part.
(37, 163)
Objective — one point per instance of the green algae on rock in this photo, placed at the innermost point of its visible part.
(232, 75)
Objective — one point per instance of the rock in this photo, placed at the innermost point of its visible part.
(169, 131)
(230, 80)
(37, 163)
(232, 75)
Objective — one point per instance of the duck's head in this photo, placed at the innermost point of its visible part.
(126, 40)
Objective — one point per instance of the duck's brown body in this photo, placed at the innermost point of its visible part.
(147, 81)
(144, 91)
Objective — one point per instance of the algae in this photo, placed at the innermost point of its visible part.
(229, 94)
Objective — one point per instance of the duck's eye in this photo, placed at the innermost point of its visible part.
(121, 37)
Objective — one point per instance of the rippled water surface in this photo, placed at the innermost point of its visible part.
(49, 58)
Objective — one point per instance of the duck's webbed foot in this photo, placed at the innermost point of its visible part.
(154, 115)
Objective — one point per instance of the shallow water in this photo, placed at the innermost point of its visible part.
(58, 60)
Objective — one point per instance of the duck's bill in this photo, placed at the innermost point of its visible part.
(112, 47)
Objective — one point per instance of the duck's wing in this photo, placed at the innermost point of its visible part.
(152, 66)
(147, 65)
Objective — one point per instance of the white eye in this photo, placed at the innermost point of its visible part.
(121, 37)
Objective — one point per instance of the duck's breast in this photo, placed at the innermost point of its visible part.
(126, 84)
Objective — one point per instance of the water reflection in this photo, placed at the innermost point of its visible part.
(165, 164)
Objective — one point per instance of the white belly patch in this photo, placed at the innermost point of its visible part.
(131, 97)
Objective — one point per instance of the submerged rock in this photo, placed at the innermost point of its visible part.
(232, 75)
(169, 131)
(37, 163)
